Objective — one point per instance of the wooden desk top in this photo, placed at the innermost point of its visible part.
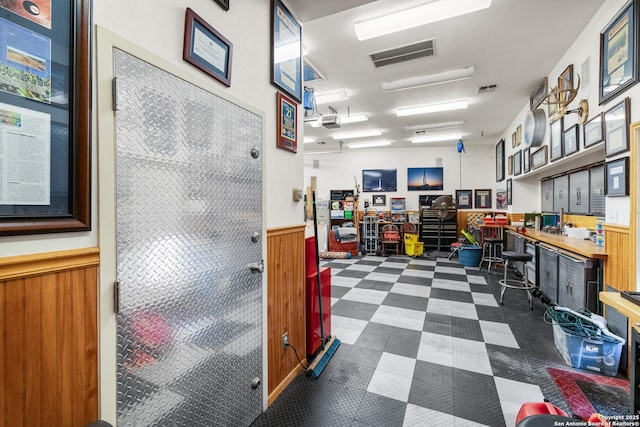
(615, 300)
(578, 246)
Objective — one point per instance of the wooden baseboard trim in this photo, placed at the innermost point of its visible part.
(276, 392)
(48, 262)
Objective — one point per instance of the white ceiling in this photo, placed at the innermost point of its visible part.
(513, 44)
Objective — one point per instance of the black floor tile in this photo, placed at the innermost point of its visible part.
(381, 411)
(339, 291)
(353, 273)
(371, 341)
(475, 398)
(468, 329)
(421, 267)
(375, 285)
(404, 342)
(449, 276)
(388, 270)
(406, 301)
(414, 280)
(353, 375)
(364, 356)
(369, 262)
(432, 387)
(450, 295)
(353, 309)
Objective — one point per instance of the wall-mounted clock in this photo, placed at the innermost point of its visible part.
(535, 123)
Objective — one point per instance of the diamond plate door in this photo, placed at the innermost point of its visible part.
(189, 200)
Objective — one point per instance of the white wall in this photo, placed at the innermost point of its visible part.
(158, 27)
(473, 169)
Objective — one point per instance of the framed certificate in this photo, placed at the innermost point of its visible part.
(286, 51)
(618, 52)
(616, 129)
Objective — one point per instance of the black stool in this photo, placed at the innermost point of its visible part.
(491, 244)
(511, 257)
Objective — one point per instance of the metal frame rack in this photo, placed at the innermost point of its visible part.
(370, 235)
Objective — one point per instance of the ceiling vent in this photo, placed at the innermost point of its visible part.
(403, 53)
(486, 89)
(310, 73)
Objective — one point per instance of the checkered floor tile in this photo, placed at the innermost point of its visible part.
(424, 341)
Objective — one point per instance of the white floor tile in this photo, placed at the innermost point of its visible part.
(347, 282)
(471, 356)
(436, 348)
(452, 285)
(400, 317)
(417, 416)
(359, 267)
(334, 300)
(452, 308)
(412, 290)
(344, 261)
(450, 270)
(396, 364)
(484, 299)
(513, 394)
(477, 280)
(375, 258)
(391, 264)
(390, 385)
(369, 296)
(430, 263)
(382, 277)
(498, 334)
(418, 273)
(346, 329)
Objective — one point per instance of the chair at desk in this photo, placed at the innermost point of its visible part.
(390, 239)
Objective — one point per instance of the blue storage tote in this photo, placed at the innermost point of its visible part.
(588, 353)
(469, 255)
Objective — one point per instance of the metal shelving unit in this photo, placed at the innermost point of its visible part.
(370, 235)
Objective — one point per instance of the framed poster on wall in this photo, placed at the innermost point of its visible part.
(500, 160)
(46, 65)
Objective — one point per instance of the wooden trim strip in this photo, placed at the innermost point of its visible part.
(280, 388)
(49, 262)
(281, 231)
(622, 229)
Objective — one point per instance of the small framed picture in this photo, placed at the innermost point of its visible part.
(464, 199)
(379, 200)
(593, 131)
(617, 182)
(509, 191)
(223, 4)
(565, 83)
(616, 129)
(518, 135)
(510, 165)
(517, 163)
(525, 160)
(514, 139)
(539, 94)
(539, 158)
(207, 49)
(483, 199)
(500, 160)
(570, 143)
(555, 140)
(287, 125)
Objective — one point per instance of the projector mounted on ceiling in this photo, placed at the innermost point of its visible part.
(331, 121)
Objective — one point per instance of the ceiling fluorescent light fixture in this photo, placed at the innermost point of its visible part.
(432, 108)
(428, 80)
(308, 139)
(426, 14)
(353, 119)
(325, 98)
(436, 138)
(432, 126)
(357, 134)
(369, 144)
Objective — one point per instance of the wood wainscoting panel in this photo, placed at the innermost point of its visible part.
(285, 304)
(619, 271)
(49, 341)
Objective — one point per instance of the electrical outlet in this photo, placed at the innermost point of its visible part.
(285, 340)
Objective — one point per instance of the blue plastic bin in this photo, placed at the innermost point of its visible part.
(470, 255)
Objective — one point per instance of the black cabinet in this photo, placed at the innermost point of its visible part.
(431, 227)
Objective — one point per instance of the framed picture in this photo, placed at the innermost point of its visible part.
(287, 123)
(555, 141)
(518, 135)
(517, 163)
(501, 199)
(539, 157)
(618, 52)
(565, 83)
(617, 182)
(425, 179)
(570, 142)
(525, 160)
(539, 94)
(514, 140)
(510, 165)
(223, 4)
(286, 51)
(593, 131)
(483, 199)
(500, 160)
(616, 129)
(207, 49)
(45, 99)
(379, 200)
(464, 199)
(509, 192)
